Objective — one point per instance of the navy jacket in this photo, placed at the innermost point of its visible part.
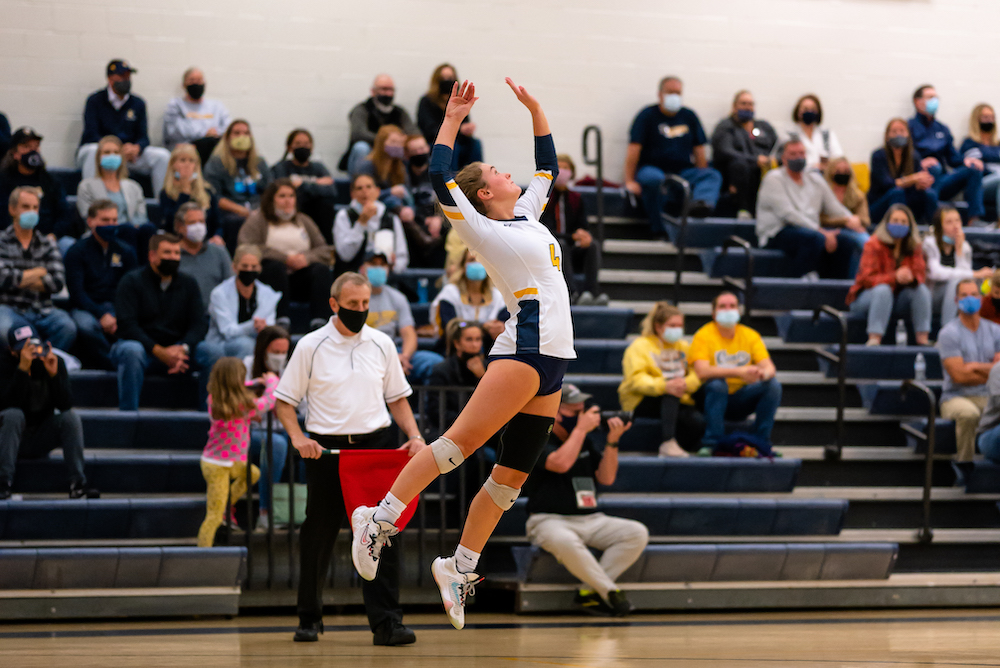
(973, 149)
(100, 119)
(882, 178)
(932, 139)
(92, 276)
(169, 207)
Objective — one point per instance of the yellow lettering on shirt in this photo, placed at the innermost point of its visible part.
(377, 319)
(674, 131)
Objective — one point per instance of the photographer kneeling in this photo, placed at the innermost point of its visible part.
(562, 505)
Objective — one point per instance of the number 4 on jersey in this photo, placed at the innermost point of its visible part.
(552, 254)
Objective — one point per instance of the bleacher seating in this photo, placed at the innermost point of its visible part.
(884, 362)
(885, 398)
(75, 519)
(705, 474)
(114, 473)
(944, 436)
(144, 429)
(717, 262)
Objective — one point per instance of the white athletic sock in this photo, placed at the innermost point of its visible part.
(466, 560)
(389, 509)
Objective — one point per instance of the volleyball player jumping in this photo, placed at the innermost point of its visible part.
(519, 394)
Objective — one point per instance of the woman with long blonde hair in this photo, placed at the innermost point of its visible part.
(184, 183)
(430, 115)
(469, 295)
(984, 144)
(239, 177)
(112, 182)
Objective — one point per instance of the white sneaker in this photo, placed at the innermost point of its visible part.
(455, 587)
(672, 449)
(601, 299)
(369, 539)
(585, 299)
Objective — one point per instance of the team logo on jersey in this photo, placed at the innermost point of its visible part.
(673, 131)
(739, 358)
(130, 115)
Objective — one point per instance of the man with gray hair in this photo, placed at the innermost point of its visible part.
(194, 118)
(789, 204)
(208, 263)
(351, 374)
(367, 117)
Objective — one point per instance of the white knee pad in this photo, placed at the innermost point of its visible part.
(502, 495)
(447, 455)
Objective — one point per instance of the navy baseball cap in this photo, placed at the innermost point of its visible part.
(120, 67)
(22, 135)
(371, 255)
(20, 334)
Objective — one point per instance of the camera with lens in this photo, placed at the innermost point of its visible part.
(624, 416)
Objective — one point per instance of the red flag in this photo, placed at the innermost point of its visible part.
(366, 476)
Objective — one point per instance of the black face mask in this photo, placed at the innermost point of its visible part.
(996, 303)
(302, 153)
(247, 277)
(445, 86)
(353, 320)
(569, 423)
(987, 127)
(419, 160)
(122, 88)
(168, 268)
(32, 160)
(810, 117)
(384, 100)
(841, 179)
(195, 91)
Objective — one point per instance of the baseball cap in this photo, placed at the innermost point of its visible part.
(24, 134)
(371, 255)
(18, 335)
(571, 394)
(120, 67)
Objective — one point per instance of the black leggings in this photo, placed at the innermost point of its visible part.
(680, 421)
(310, 284)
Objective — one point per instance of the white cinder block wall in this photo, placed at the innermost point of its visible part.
(306, 62)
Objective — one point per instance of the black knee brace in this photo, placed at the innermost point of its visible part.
(522, 440)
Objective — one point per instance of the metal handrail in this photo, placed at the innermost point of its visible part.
(681, 223)
(747, 289)
(926, 534)
(834, 452)
(598, 162)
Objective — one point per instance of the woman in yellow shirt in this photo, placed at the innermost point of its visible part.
(658, 382)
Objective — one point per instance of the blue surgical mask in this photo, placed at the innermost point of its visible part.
(111, 162)
(948, 240)
(728, 317)
(673, 334)
(672, 103)
(28, 220)
(744, 115)
(897, 230)
(969, 305)
(377, 276)
(932, 105)
(475, 271)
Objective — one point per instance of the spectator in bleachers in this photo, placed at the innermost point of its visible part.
(161, 321)
(840, 177)
(239, 308)
(659, 383)
(365, 222)
(430, 115)
(387, 165)
(990, 309)
(566, 218)
(469, 295)
(464, 365)
(232, 406)
(112, 182)
(982, 144)
(890, 281)
(36, 410)
(949, 260)
(668, 139)
(209, 264)
(22, 165)
(315, 190)
(95, 266)
(186, 182)
(969, 348)
(988, 431)
(791, 201)
(897, 176)
(238, 176)
(935, 148)
(270, 355)
(741, 151)
(427, 230)
(194, 119)
(736, 372)
(115, 111)
(31, 271)
(297, 259)
(368, 117)
(389, 312)
(4, 134)
(821, 143)
(563, 518)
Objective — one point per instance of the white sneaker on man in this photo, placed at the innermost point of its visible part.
(369, 539)
(455, 588)
(672, 449)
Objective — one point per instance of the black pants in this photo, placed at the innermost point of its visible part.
(321, 210)
(744, 176)
(576, 258)
(325, 515)
(680, 421)
(310, 284)
(229, 228)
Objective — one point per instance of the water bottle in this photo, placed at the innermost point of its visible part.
(900, 333)
(422, 291)
(920, 368)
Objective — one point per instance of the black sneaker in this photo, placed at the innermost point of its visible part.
(5, 490)
(700, 209)
(80, 490)
(591, 603)
(391, 634)
(620, 606)
(308, 632)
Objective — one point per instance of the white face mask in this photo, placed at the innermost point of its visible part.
(284, 215)
(196, 232)
(275, 362)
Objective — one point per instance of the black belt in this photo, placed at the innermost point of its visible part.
(331, 441)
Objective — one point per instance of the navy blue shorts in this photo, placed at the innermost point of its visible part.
(550, 370)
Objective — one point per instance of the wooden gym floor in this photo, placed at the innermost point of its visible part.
(868, 639)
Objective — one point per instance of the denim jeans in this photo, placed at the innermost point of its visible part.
(18, 440)
(854, 241)
(991, 188)
(804, 248)
(882, 305)
(359, 151)
(209, 352)
(964, 179)
(923, 203)
(761, 398)
(90, 335)
(705, 184)
(133, 362)
(943, 299)
(54, 325)
(279, 446)
(989, 444)
(423, 362)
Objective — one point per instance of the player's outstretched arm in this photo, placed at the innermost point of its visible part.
(539, 122)
(459, 105)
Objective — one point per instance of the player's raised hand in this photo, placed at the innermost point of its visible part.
(461, 100)
(522, 95)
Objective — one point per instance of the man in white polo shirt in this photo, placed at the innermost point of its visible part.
(349, 372)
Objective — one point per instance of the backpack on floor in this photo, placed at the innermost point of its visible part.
(742, 444)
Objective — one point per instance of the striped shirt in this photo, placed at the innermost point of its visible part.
(15, 259)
